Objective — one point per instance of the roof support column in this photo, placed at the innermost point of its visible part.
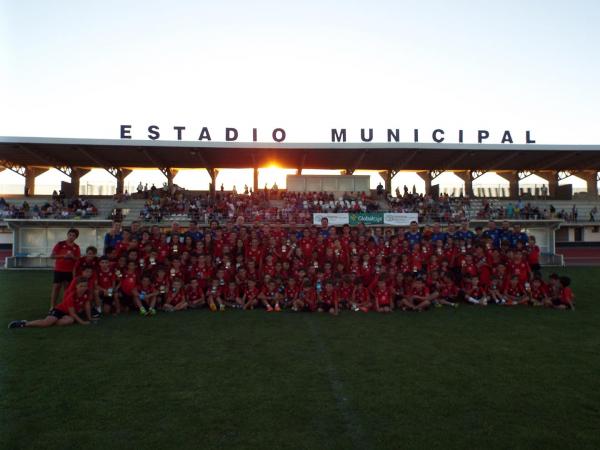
(255, 180)
(31, 173)
(387, 180)
(591, 178)
(426, 176)
(120, 174)
(170, 174)
(513, 182)
(76, 174)
(467, 177)
(212, 187)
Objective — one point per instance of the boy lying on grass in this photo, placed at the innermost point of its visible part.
(74, 308)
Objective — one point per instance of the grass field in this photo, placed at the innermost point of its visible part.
(472, 378)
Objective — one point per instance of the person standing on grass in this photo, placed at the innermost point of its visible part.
(74, 308)
(65, 254)
(113, 237)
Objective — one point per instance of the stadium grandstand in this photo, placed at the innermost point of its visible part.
(562, 221)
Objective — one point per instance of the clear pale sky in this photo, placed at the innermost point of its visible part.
(80, 69)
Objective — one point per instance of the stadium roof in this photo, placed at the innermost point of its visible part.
(90, 153)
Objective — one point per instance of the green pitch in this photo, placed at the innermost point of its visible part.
(472, 378)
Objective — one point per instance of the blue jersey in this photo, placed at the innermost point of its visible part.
(112, 241)
(494, 235)
(441, 236)
(195, 235)
(506, 235)
(413, 238)
(515, 238)
(463, 235)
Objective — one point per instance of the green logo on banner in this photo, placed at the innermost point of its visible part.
(366, 218)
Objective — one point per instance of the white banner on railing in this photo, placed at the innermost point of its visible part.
(400, 219)
(333, 218)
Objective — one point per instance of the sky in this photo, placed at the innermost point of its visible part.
(80, 69)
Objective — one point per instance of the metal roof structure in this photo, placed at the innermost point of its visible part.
(127, 153)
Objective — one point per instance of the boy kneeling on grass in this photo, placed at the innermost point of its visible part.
(144, 296)
(176, 300)
(565, 298)
(74, 308)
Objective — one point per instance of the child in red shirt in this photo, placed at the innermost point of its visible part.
(195, 294)
(105, 286)
(327, 300)
(250, 297)
(75, 307)
(214, 296)
(383, 296)
(306, 299)
(231, 296)
(145, 295)
(567, 298)
(475, 293)
(176, 300)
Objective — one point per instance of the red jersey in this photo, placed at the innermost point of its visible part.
(346, 292)
(521, 270)
(129, 282)
(254, 254)
(566, 296)
(71, 300)
(214, 291)
(539, 293)
(309, 298)
(476, 291)
(383, 297)
(176, 273)
(270, 294)
(515, 291)
(91, 282)
(423, 291)
(106, 280)
(448, 290)
(174, 298)
(231, 293)
(533, 257)
(85, 263)
(251, 294)
(360, 294)
(329, 298)
(194, 294)
(143, 291)
(162, 286)
(292, 292)
(60, 250)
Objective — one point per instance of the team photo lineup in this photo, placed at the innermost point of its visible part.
(323, 269)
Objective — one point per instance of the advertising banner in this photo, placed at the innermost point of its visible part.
(333, 218)
(375, 218)
(400, 219)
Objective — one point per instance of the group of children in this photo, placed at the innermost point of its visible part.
(312, 269)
